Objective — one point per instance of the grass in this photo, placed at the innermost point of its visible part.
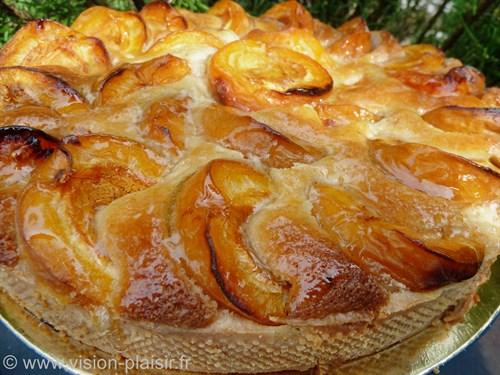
(466, 29)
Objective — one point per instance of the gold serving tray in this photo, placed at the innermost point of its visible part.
(417, 355)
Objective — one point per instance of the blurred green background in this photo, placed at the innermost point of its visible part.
(466, 29)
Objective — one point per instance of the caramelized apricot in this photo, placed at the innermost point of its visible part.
(436, 172)
(21, 86)
(48, 43)
(464, 120)
(233, 16)
(298, 40)
(123, 33)
(210, 209)
(292, 14)
(250, 75)
(179, 42)
(491, 97)
(132, 78)
(160, 19)
(252, 138)
(463, 80)
(201, 21)
(22, 149)
(322, 279)
(352, 46)
(57, 209)
(354, 25)
(355, 42)
(344, 114)
(423, 58)
(165, 122)
(379, 247)
(42, 118)
(326, 34)
(152, 283)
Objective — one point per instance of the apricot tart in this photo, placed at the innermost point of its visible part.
(257, 194)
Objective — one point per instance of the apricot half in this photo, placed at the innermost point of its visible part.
(56, 212)
(48, 43)
(344, 114)
(355, 42)
(436, 172)
(321, 279)
(165, 122)
(299, 40)
(152, 283)
(463, 80)
(210, 211)
(181, 42)
(22, 149)
(42, 118)
(250, 75)
(233, 16)
(292, 14)
(379, 247)
(123, 33)
(253, 138)
(132, 78)
(464, 119)
(21, 86)
(161, 19)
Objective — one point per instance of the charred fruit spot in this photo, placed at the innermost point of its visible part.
(21, 150)
(382, 248)
(250, 75)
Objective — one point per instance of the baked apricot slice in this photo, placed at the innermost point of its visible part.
(322, 280)
(298, 40)
(381, 248)
(326, 34)
(201, 21)
(422, 58)
(291, 14)
(134, 77)
(436, 172)
(161, 19)
(250, 75)
(252, 138)
(165, 122)
(344, 114)
(22, 149)
(355, 42)
(20, 86)
(56, 212)
(152, 283)
(463, 80)
(42, 118)
(464, 119)
(491, 97)
(210, 210)
(182, 41)
(48, 43)
(352, 46)
(123, 33)
(233, 16)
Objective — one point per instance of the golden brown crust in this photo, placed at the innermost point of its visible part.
(231, 178)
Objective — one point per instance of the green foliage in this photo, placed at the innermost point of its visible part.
(466, 29)
(118, 4)
(64, 11)
(9, 23)
(194, 5)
